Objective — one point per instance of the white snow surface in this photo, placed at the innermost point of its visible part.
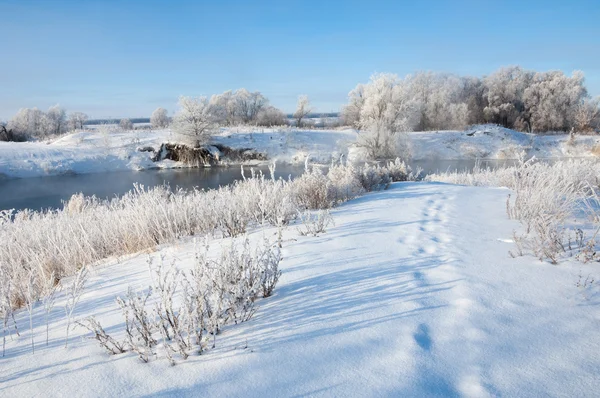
(94, 151)
(495, 142)
(411, 293)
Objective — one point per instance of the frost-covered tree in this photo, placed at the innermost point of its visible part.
(351, 112)
(33, 123)
(240, 106)
(439, 100)
(587, 115)
(270, 116)
(77, 120)
(159, 118)
(29, 123)
(473, 96)
(388, 110)
(56, 120)
(303, 108)
(504, 92)
(552, 99)
(126, 124)
(195, 121)
(225, 108)
(249, 104)
(511, 96)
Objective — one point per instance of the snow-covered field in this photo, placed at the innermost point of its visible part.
(95, 151)
(411, 293)
(493, 142)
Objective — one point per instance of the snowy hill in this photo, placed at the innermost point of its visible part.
(411, 293)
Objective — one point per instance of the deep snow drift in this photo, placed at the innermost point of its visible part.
(95, 151)
(411, 293)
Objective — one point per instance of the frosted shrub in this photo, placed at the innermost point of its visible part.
(398, 170)
(268, 257)
(311, 190)
(270, 201)
(106, 341)
(373, 178)
(138, 323)
(57, 243)
(215, 292)
(314, 223)
(344, 185)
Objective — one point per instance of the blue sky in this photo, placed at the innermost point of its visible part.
(125, 58)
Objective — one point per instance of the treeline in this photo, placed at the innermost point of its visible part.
(513, 97)
(133, 120)
(195, 116)
(34, 123)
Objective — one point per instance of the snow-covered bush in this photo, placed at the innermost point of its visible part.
(104, 339)
(314, 223)
(311, 189)
(181, 306)
(269, 201)
(139, 325)
(374, 178)
(343, 184)
(126, 124)
(543, 201)
(271, 116)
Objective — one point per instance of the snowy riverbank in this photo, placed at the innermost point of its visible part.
(95, 151)
(411, 293)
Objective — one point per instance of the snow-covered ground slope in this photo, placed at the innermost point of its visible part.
(289, 145)
(81, 152)
(95, 151)
(411, 293)
(494, 142)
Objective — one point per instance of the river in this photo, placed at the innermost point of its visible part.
(49, 192)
